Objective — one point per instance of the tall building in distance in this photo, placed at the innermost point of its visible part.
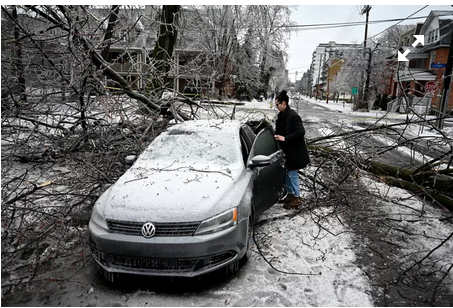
(322, 54)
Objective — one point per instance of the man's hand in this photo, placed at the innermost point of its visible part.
(279, 138)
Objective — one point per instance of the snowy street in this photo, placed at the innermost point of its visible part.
(348, 249)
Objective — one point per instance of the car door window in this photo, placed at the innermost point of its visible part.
(265, 143)
(245, 149)
(247, 136)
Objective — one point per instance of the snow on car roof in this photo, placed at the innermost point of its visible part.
(224, 127)
(201, 144)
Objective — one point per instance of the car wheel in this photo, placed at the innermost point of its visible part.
(250, 241)
(234, 267)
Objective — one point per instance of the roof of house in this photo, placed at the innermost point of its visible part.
(431, 16)
(445, 33)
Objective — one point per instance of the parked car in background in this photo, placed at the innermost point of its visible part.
(191, 90)
(189, 203)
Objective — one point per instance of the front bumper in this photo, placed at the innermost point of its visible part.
(186, 256)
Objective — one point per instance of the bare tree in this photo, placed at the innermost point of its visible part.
(72, 138)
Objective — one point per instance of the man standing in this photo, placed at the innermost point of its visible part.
(290, 134)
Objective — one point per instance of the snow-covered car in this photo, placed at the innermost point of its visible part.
(189, 203)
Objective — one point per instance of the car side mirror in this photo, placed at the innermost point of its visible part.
(260, 161)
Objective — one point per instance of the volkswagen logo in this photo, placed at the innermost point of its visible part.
(148, 230)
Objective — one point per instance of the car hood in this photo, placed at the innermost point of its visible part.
(181, 195)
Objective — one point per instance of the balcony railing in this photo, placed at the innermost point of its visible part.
(128, 68)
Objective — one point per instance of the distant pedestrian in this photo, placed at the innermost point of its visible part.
(290, 134)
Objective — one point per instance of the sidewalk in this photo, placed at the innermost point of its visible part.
(373, 115)
(347, 108)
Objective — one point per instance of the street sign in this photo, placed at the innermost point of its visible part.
(430, 88)
(354, 91)
(438, 65)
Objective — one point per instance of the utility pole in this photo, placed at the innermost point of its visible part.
(446, 87)
(366, 10)
(368, 73)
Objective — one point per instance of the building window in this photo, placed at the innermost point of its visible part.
(432, 58)
(433, 36)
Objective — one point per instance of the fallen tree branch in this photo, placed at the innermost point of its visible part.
(356, 132)
(27, 193)
(430, 193)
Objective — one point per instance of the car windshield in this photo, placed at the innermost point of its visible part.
(196, 148)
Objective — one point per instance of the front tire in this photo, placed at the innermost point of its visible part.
(234, 267)
(250, 240)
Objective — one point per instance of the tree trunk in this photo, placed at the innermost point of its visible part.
(434, 179)
(434, 184)
(430, 193)
(165, 44)
(19, 66)
(113, 19)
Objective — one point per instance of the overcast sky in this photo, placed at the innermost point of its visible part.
(303, 43)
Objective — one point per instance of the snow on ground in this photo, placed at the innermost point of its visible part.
(416, 130)
(289, 248)
(299, 245)
(319, 266)
(423, 229)
(320, 269)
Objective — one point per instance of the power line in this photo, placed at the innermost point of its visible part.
(295, 68)
(305, 27)
(349, 18)
(400, 21)
(347, 24)
(350, 28)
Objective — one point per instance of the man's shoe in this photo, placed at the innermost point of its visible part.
(287, 199)
(292, 204)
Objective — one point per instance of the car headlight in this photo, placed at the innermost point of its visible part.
(219, 222)
(98, 219)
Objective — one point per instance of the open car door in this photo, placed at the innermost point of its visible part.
(267, 163)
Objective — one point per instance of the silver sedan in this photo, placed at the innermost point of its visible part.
(189, 203)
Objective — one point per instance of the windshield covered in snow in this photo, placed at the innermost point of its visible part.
(196, 148)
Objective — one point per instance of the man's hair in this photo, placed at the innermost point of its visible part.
(283, 97)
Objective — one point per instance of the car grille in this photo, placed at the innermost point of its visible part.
(162, 229)
(169, 265)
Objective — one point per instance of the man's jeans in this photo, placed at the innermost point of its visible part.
(292, 183)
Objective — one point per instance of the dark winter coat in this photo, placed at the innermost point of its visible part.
(289, 124)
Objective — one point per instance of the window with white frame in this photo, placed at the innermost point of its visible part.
(433, 36)
(430, 37)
